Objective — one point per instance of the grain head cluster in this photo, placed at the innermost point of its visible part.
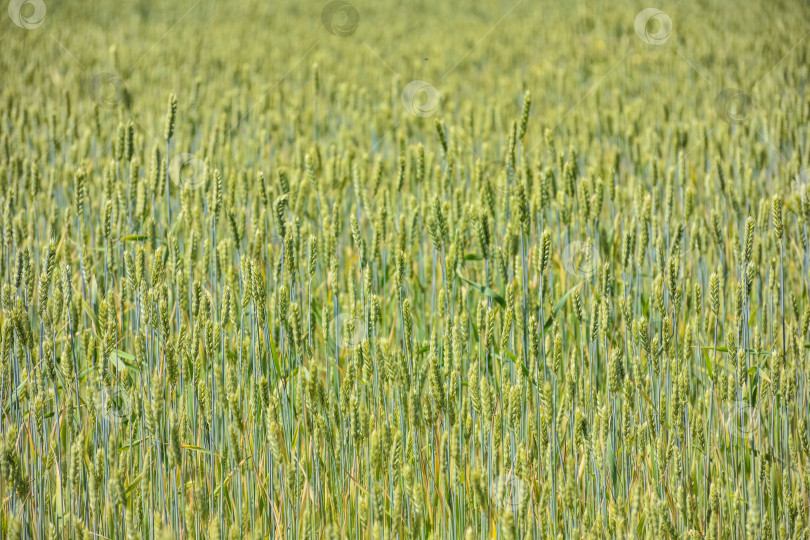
(355, 270)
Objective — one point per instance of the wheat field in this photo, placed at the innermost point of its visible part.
(352, 269)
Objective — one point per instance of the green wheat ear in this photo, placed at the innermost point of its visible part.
(524, 116)
(350, 324)
(171, 116)
(776, 212)
(442, 135)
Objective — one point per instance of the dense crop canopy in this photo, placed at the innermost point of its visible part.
(404, 270)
